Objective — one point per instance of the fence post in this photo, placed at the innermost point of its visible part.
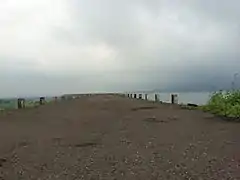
(42, 100)
(21, 103)
(140, 96)
(146, 97)
(156, 98)
(174, 98)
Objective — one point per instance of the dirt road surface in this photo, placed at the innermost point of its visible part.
(109, 137)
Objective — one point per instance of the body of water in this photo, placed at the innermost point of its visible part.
(199, 98)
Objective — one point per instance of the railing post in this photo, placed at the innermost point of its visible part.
(174, 98)
(140, 96)
(42, 100)
(146, 97)
(156, 98)
(21, 103)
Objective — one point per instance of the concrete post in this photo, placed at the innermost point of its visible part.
(42, 100)
(146, 97)
(156, 98)
(21, 103)
(174, 98)
(140, 96)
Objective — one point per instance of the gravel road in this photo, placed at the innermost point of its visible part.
(109, 137)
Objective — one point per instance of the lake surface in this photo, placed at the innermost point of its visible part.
(199, 98)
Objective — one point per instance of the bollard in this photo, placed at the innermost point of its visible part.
(174, 98)
(146, 97)
(135, 96)
(42, 100)
(21, 103)
(156, 98)
(140, 96)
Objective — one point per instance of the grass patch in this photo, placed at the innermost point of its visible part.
(225, 104)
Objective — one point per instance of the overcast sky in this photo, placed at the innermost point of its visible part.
(67, 46)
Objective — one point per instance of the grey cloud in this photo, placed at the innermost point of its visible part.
(166, 45)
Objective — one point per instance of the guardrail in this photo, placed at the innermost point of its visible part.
(173, 97)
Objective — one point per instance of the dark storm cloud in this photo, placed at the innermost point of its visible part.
(170, 42)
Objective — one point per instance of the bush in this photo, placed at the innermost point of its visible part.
(225, 104)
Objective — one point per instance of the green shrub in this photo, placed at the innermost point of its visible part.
(224, 103)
